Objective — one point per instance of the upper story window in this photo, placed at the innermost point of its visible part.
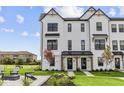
(52, 44)
(69, 44)
(69, 27)
(114, 27)
(115, 44)
(99, 26)
(82, 27)
(121, 27)
(121, 44)
(82, 44)
(99, 44)
(52, 27)
(100, 63)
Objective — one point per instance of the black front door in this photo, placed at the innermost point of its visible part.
(69, 63)
(117, 63)
(83, 63)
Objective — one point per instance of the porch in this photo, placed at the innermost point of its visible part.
(76, 60)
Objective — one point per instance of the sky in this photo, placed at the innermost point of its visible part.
(20, 28)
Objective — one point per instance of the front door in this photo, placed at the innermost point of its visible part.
(69, 63)
(117, 63)
(83, 63)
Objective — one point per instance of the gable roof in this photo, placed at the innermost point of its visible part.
(101, 11)
(44, 14)
(87, 11)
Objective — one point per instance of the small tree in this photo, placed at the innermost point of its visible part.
(107, 56)
(49, 55)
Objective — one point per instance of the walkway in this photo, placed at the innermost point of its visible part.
(88, 73)
(40, 80)
(71, 74)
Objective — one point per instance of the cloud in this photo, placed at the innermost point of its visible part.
(37, 34)
(112, 12)
(20, 18)
(25, 33)
(121, 8)
(67, 11)
(0, 8)
(7, 30)
(2, 20)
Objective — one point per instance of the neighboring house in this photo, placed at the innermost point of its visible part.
(78, 43)
(18, 55)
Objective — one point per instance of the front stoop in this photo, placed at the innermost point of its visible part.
(71, 74)
(88, 73)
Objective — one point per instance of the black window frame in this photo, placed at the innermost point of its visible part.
(69, 44)
(99, 44)
(69, 27)
(100, 62)
(121, 29)
(121, 46)
(114, 44)
(82, 27)
(52, 27)
(99, 27)
(52, 44)
(82, 44)
(113, 27)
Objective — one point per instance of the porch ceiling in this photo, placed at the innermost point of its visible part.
(76, 53)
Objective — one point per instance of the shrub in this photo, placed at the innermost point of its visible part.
(59, 80)
(46, 70)
(97, 69)
(101, 69)
(52, 70)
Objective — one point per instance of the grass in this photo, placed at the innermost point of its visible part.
(81, 80)
(29, 68)
(109, 74)
(79, 73)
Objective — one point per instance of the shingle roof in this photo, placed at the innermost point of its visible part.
(16, 52)
(79, 53)
(118, 53)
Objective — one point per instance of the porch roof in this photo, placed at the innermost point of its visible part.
(76, 53)
(118, 53)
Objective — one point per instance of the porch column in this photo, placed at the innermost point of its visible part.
(76, 63)
(62, 63)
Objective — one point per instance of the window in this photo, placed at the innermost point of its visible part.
(69, 27)
(82, 44)
(69, 45)
(99, 26)
(115, 45)
(113, 27)
(52, 44)
(52, 63)
(82, 27)
(100, 62)
(121, 44)
(121, 27)
(52, 27)
(100, 44)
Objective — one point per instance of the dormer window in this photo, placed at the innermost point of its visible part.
(52, 27)
(99, 26)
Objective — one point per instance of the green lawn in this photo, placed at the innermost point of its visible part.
(110, 74)
(29, 68)
(81, 80)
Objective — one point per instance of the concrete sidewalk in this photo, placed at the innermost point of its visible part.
(88, 73)
(71, 74)
(40, 80)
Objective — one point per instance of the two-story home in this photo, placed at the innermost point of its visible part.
(78, 43)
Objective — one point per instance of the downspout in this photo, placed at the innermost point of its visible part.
(90, 46)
